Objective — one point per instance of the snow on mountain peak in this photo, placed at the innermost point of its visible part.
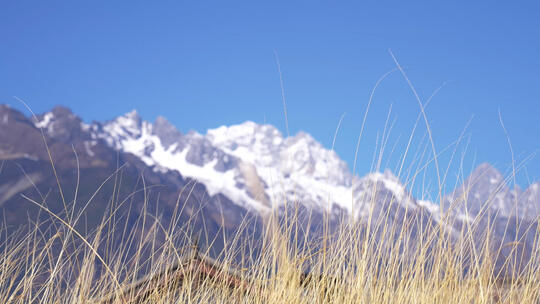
(252, 164)
(45, 120)
(486, 172)
(251, 142)
(258, 168)
(381, 190)
(486, 190)
(128, 124)
(58, 113)
(530, 201)
(304, 155)
(133, 114)
(265, 147)
(163, 147)
(297, 166)
(390, 181)
(60, 123)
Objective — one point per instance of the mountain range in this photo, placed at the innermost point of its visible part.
(231, 172)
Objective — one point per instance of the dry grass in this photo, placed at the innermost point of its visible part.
(57, 264)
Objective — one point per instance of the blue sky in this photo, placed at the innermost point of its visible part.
(203, 64)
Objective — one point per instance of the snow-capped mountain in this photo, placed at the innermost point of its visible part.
(242, 170)
(294, 169)
(258, 168)
(92, 173)
(486, 191)
(163, 147)
(484, 202)
(253, 165)
(253, 169)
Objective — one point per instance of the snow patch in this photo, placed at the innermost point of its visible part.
(390, 182)
(430, 206)
(47, 118)
(88, 148)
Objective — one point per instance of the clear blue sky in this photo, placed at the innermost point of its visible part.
(204, 64)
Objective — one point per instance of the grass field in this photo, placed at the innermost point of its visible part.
(57, 264)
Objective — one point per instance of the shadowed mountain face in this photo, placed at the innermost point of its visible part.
(89, 174)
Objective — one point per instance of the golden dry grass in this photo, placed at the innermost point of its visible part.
(353, 265)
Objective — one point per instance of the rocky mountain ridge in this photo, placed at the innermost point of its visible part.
(258, 168)
(245, 169)
(252, 164)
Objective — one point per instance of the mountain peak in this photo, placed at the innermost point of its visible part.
(249, 124)
(130, 123)
(484, 189)
(261, 139)
(133, 114)
(486, 167)
(130, 120)
(305, 139)
(161, 120)
(389, 180)
(60, 123)
(485, 172)
(61, 111)
(167, 132)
